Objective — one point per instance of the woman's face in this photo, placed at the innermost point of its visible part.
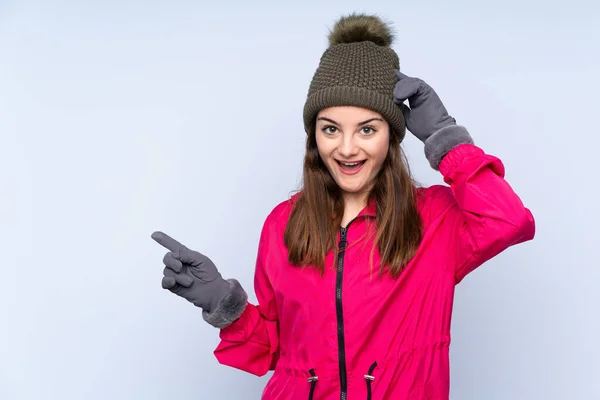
(353, 143)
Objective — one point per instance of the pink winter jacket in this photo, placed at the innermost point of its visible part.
(351, 335)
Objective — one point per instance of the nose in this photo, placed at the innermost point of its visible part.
(348, 146)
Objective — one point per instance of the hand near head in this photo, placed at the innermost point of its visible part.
(194, 277)
(427, 113)
(427, 118)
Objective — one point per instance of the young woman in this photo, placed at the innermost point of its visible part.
(355, 273)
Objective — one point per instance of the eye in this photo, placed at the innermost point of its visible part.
(368, 130)
(329, 129)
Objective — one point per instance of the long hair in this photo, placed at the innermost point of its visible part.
(316, 216)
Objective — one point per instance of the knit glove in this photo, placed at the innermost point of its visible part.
(428, 119)
(194, 277)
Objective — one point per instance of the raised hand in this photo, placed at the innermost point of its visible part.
(427, 113)
(427, 118)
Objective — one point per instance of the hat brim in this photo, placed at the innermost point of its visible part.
(335, 96)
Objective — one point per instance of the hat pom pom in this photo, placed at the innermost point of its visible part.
(360, 28)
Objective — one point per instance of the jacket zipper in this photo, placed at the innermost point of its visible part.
(340, 316)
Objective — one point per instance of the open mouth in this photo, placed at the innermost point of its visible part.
(351, 166)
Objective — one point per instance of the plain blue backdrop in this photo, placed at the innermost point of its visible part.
(118, 118)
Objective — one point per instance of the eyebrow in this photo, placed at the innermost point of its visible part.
(359, 124)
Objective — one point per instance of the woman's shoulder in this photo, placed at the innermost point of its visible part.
(280, 213)
(432, 201)
(428, 195)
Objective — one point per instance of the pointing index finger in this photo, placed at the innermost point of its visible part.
(167, 241)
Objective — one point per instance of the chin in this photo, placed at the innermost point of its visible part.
(351, 189)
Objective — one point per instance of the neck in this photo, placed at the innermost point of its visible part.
(353, 204)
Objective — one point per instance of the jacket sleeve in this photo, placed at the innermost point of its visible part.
(251, 343)
(488, 215)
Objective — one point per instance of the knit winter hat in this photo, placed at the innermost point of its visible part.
(357, 69)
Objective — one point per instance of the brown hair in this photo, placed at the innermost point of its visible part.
(312, 228)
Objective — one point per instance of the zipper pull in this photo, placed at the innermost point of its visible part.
(342, 238)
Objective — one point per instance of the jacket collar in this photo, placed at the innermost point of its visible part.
(370, 210)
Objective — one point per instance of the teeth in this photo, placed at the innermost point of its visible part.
(350, 164)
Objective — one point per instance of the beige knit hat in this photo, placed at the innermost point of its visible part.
(358, 69)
